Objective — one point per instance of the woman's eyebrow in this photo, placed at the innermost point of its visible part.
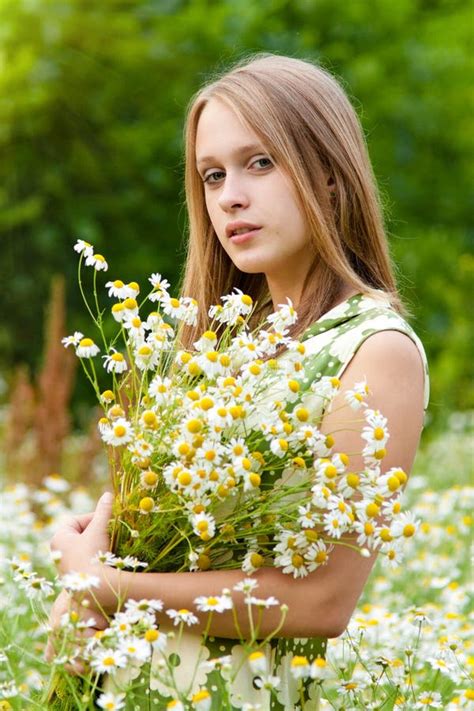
(249, 148)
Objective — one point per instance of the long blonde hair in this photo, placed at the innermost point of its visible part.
(306, 122)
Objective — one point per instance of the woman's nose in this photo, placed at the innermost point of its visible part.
(233, 194)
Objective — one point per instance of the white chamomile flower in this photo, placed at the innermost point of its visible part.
(204, 525)
(136, 609)
(356, 397)
(202, 700)
(406, 525)
(84, 248)
(175, 705)
(129, 307)
(115, 362)
(171, 306)
(320, 669)
(182, 616)
(97, 261)
(293, 563)
(252, 561)
(117, 289)
(247, 585)
(207, 342)
(285, 317)
(300, 667)
(316, 555)
(106, 661)
(111, 702)
(133, 289)
(146, 357)
(159, 389)
(429, 700)
(86, 348)
(56, 483)
(308, 517)
(34, 586)
(73, 340)
(120, 432)
(135, 328)
(258, 662)
(79, 582)
(160, 286)
(189, 311)
(213, 603)
(135, 648)
(279, 446)
(262, 602)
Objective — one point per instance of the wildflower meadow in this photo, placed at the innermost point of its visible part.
(177, 451)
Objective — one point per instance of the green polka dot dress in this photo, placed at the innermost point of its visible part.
(331, 342)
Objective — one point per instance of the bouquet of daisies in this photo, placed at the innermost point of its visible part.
(216, 456)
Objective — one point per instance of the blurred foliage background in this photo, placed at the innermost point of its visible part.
(92, 100)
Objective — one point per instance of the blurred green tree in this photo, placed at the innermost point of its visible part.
(92, 99)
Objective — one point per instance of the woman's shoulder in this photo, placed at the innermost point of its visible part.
(367, 325)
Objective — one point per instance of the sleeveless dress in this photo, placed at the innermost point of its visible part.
(331, 342)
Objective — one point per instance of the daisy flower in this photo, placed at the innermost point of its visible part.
(156, 639)
(207, 342)
(117, 289)
(97, 261)
(319, 669)
(293, 562)
(115, 362)
(253, 561)
(84, 248)
(136, 329)
(175, 705)
(258, 662)
(247, 585)
(204, 525)
(300, 667)
(189, 311)
(107, 661)
(146, 357)
(356, 397)
(79, 582)
(135, 648)
(73, 340)
(111, 702)
(406, 525)
(217, 603)
(86, 348)
(137, 608)
(202, 700)
(182, 616)
(262, 602)
(171, 306)
(34, 586)
(316, 554)
(120, 432)
(285, 317)
(429, 700)
(159, 285)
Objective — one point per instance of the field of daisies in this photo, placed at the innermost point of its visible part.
(408, 646)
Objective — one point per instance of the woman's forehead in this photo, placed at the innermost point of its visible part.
(221, 133)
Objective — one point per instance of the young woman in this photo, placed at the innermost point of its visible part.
(283, 204)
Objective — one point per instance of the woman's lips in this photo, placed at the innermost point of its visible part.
(244, 236)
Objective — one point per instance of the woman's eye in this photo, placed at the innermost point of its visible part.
(268, 162)
(209, 178)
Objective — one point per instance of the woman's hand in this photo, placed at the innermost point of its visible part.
(78, 541)
(65, 604)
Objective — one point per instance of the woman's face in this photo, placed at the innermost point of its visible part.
(245, 191)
